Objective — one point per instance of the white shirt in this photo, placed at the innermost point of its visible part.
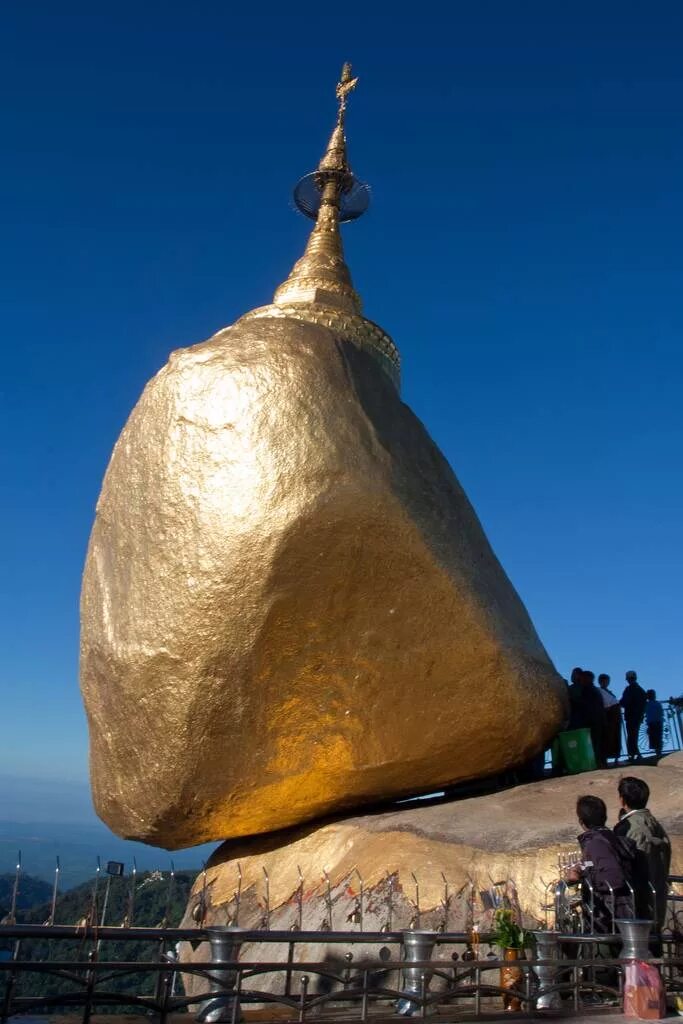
(608, 698)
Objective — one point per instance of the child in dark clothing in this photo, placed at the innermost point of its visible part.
(654, 716)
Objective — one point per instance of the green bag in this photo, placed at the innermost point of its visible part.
(575, 748)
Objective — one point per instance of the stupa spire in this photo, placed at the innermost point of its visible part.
(319, 288)
(329, 195)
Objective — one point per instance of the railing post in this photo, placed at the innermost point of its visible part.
(575, 983)
(364, 1003)
(560, 904)
(677, 711)
(89, 987)
(612, 907)
(348, 959)
(225, 947)
(165, 983)
(477, 991)
(302, 998)
(160, 976)
(632, 897)
(236, 1003)
(417, 946)
(547, 949)
(635, 936)
(288, 973)
(590, 916)
(11, 983)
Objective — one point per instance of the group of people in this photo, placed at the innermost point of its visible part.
(597, 708)
(635, 853)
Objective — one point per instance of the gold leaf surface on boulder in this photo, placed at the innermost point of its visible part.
(289, 606)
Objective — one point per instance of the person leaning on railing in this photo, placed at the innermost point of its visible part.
(607, 865)
(653, 848)
(613, 719)
(633, 702)
(605, 872)
(654, 718)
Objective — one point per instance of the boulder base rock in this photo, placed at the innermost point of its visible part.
(514, 836)
(289, 606)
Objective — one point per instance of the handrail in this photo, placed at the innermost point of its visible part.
(359, 986)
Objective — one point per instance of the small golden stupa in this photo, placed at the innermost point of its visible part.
(319, 288)
(289, 606)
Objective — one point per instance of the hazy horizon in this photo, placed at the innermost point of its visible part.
(46, 819)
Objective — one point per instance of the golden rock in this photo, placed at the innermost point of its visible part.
(289, 606)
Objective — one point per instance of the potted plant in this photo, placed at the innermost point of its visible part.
(511, 938)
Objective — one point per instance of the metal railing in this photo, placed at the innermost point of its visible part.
(348, 985)
(672, 729)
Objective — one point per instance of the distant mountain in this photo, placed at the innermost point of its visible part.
(31, 891)
(156, 899)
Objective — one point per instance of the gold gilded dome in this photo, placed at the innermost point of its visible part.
(319, 289)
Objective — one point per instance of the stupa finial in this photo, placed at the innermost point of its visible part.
(334, 159)
(329, 195)
(319, 289)
(352, 195)
(346, 84)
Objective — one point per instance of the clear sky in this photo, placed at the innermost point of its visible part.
(523, 248)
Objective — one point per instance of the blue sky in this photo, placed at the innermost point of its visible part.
(523, 248)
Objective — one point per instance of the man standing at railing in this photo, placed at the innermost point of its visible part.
(606, 866)
(605, 872)
(654, 717)
(613, 719)
(653, 859)
(633, 702)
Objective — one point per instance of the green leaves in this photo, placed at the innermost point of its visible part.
(507, 934)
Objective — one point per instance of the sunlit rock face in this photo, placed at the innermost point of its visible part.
(421, 867)
(289, 606)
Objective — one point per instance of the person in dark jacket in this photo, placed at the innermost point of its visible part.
(588, 710)
(654, 717)
(653, 846)
(596, 716)
(633, 702)
(606, 865)
(613, 719)
(574, 694)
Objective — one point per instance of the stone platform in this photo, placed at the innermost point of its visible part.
(422, 866)
(513, 835)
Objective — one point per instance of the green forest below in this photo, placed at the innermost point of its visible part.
(158, 901)
(31, 892)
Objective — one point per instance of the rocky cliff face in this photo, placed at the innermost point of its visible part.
(406, 858)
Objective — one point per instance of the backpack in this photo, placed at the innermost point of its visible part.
(627, 854)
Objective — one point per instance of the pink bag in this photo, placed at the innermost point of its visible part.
(644, 994)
